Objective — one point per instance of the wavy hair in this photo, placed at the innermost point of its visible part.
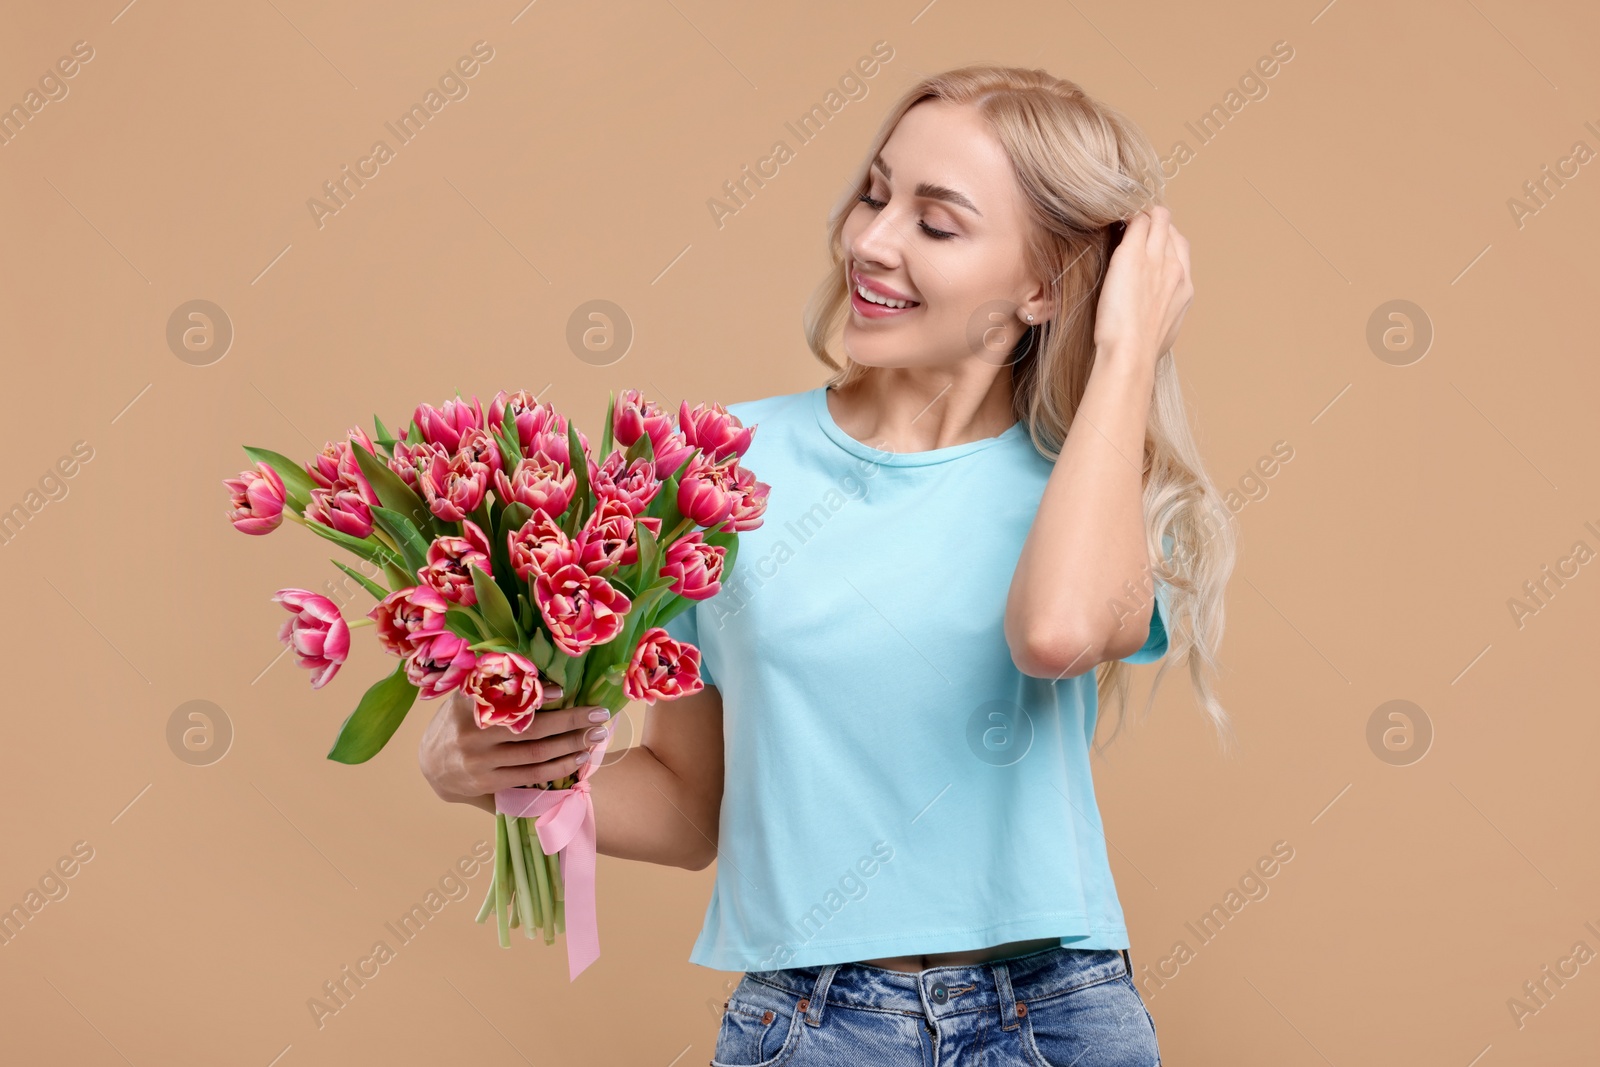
(1082, 166)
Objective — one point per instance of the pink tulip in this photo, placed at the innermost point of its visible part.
(257, 500)
(580, 609)
(439, 664)
(636, 486)
(662, 668)
(316, 631)
(531, 416)
(453, 486)
(479, 447)
(337, 463)
(505, 691)
(749, 501)
(704, 495)
(552, 442)
(694, 566)
(345, 510)
(446, 425)
(448, 561)
(409, 457)
(609, 538)
(539, 481)
(635, 415)
(532, 546)
(408, 616)
(712, 430)
(671, 450)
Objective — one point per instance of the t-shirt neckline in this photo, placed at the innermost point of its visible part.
(862, 450)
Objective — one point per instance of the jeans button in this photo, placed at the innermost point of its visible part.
(939, 992)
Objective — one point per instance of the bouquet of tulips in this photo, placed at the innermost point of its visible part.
(526, 572)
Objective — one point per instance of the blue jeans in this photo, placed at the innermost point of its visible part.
(1058, 1007)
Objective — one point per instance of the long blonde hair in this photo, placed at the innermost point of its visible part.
(1081, 166)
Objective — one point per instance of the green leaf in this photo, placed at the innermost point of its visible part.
(463, 624)
(673, 606)
(494, 644)
(397, 575)
(494, 607)
(643, 448)
(640, 618)
(543, 651)
(580, 468)
(383, 436)
(297, 484)
(366, 583)
(375, 719)
(412, 544)
(366, 548)
(573, 675)
(607, 441)
(393, 492)
(512, 517)
(508, 423)
(650, 554)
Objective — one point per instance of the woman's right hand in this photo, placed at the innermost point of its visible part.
(466, 764)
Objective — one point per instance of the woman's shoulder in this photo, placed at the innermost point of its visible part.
(776, 407)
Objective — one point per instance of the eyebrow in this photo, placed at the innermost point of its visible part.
(932, 191)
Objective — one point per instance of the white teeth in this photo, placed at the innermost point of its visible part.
(873, 298)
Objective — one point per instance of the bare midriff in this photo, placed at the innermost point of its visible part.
(958, 959)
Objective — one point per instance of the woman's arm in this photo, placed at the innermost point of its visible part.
(659, 802)
(1082, 592)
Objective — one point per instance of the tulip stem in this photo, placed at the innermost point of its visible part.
(502, 876)
(525, 908)
(541, 876)
(488, 903)
(358, 623)
(678, 530)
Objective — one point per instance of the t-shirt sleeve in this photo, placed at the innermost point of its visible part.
(684, 627)
(1155, 645)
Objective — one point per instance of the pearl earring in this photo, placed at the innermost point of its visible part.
(1030, 316)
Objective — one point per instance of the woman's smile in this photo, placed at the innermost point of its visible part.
(875, 300)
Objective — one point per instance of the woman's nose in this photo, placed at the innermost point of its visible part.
(878, 244)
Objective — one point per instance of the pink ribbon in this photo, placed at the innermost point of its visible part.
(565, 825)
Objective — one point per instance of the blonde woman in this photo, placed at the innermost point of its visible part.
(992, 507)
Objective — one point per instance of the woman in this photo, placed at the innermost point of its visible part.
(912, 858)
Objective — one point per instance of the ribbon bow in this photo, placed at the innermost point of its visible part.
(565, 825)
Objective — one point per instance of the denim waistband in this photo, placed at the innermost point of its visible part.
(938, 992)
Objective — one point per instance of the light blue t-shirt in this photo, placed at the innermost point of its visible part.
(894, 785)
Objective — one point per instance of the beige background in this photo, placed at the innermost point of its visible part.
(1378, 565)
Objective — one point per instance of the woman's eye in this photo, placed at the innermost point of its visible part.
(938, 235)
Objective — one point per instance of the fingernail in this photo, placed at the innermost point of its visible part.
(597, 734)
(599, 715)
(583, 757)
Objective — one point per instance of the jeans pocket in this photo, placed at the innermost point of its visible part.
(758, 1030)
(1099, 1025)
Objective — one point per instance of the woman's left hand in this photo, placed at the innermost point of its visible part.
(1147, 289)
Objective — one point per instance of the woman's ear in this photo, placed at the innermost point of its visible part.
(1039, 304)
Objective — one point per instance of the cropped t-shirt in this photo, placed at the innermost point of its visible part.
(893, 783)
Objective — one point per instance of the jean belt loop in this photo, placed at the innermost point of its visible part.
(1008, 999)
(812, 1005)
(1127, 961)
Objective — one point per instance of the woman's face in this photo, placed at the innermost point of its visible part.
(945, 231)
